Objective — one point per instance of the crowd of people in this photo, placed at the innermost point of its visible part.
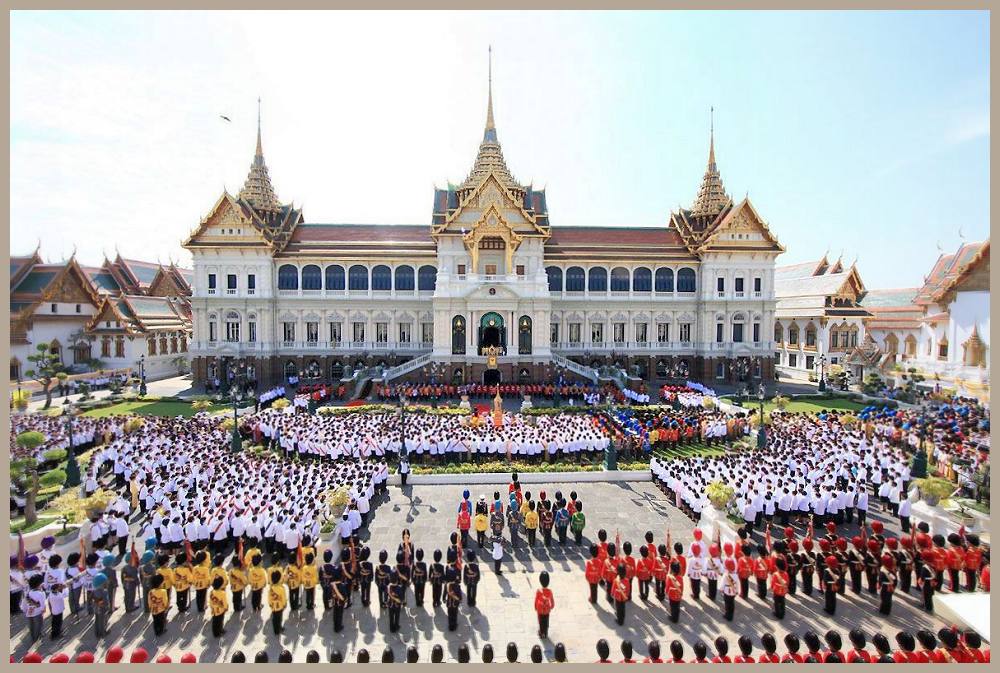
(427, 435)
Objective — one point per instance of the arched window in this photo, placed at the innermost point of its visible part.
(642, 280)
(404, 279)
(574, 279)
(793, 334)
(664, 280)
(779, 333)
(685, 280)
(335, 277)
(555, 278)
(661, 369)
(288, 277)
(312, 277)
(524, 335)
(427, 278)
(291, 369)
(910, 346)
(381, 278)
(891, 343)
(810, 335)
(358, 277)
(336, 370)
(619, 279)
(458, 335)
(598, 281)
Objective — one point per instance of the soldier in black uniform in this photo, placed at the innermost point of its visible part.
(347, 575)
(436, 576)
(807, 563)
(830, 579)
(927, 581)
(470, 577)
(856, 563)
(326, 578)
(382, 577)
(792, 561)
(904, 569)
(872, 566)
(396, 597)
(366, 575)
(453, 599)
(420, 577)
(338, 590)
(886, 584)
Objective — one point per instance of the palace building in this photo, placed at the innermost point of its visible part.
(489, 289)
(100, 318)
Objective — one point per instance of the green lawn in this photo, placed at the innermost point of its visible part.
(814, 406)
(144, 408)
(17, 525)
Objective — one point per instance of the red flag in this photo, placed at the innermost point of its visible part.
(133, 557)
(961, 532)
(618, 543)
(82, 565)
(239, 552)
(188, 551)
(299, 557)
(767, 538)
(20, 551)
(809, 529)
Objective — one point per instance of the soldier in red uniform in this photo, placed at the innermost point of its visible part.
(654, 653)
(833, 655)
(907, 654)
(792, 645)
(761, 571)
(954, 650)
(627, 653)
(594, 571)
(610, 571)
(779, 588)
(644, 571)
(676, 652)
(829, 583)
(544, 603)
(660, 571)
(722, 651)
(746, 648)
(973, 561)
(630, 564)
(858, 653)
(973, 643)
(928, 642)
(620, 594)
(700, 652)
(675, 591)
(744, 568)
(770, 646)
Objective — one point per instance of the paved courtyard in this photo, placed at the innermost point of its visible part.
(504, 610)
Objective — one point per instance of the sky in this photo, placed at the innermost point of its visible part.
(862, 134)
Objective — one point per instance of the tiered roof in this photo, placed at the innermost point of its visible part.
(947, 269)
(814, 286)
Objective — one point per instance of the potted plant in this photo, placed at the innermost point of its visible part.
(963, 515)
(934, 489)
(720, 495)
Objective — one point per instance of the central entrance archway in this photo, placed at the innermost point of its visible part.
(492, 332)
(491, 377)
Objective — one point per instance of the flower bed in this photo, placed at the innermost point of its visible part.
(494, 467)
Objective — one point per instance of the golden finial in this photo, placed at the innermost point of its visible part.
(260, 150)
(711, 136)
(489, 105)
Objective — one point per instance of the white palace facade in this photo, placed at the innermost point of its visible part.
(278, 295)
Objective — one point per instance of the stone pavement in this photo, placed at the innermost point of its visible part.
(504, 611)
(177, 385)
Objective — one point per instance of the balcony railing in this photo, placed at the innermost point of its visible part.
(740, 294)
(211, 290)
(230, 291)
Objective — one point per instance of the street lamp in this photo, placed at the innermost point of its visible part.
(402, 425)
(761, 432)
(822, 373)
(237, 396)
(142, 375)
(72, 467)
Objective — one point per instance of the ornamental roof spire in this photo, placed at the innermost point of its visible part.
(712, 197)
(257, 189)
(490, 156)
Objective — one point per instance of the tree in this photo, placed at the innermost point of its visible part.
(919, 468)
(24, 473)
(72, 470)
(46, 369)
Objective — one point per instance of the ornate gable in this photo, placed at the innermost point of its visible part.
(742, 227)
(71, 286)
(165, 285)
(491, 195)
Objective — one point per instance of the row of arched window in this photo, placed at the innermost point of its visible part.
(598, 279)
(357, 277)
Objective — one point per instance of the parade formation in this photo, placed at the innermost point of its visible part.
(821, 521)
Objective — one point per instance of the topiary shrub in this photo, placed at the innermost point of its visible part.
(934, 489)
(52, 478)
(720, 494)
(54, 456)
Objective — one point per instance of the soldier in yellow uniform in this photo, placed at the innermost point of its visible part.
(159, 603)
(220, 605)
(531, 523)
(182, 582)
(277, 599)
(310, 578)
(164, 569)
(218, 571)
(258, 580)
(293, 578)
(237, 582)
(201, 579)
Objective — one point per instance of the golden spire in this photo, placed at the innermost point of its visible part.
(260, 150)
(490, 156)
(712, 197)
(490, 126)
(257, 190)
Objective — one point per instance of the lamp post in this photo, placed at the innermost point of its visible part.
(403, 452)
(822, 373)
(761, 432)
(19, 388)
(237, 396)
(72, 467)
(142, 375)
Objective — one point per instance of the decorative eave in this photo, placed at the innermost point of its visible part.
(442, 229)
(945, 294)
(727, 215)
(111, 303)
